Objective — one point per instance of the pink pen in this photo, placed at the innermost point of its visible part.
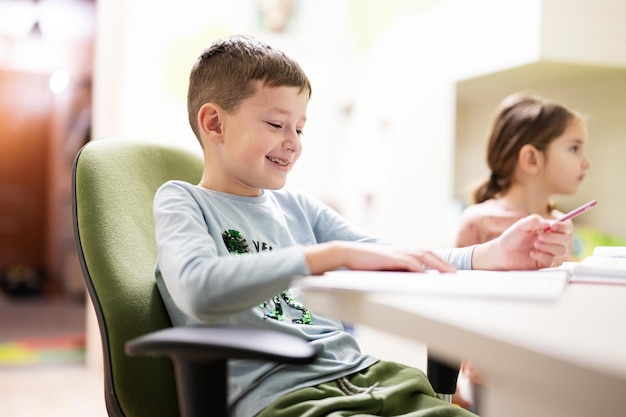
(574, 212)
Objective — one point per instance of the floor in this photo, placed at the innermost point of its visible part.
(70, 390)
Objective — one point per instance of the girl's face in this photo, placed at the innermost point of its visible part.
(566, 161)
(261, 141)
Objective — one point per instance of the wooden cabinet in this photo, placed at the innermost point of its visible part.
(25, 114)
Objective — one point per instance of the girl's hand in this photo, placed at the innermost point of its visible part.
(525, 245)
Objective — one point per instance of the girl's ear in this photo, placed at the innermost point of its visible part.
(210, 120)
(529, 159)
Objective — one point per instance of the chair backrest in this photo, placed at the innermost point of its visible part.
(113, 185)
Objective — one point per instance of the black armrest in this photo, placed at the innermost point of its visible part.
(200, 353)
(210, 343)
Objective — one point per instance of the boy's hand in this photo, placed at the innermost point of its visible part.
(394, 258)
(525, 245)
(372, 257)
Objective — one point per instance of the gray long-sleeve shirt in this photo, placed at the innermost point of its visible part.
(231, 259)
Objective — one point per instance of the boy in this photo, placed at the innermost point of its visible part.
(230, 246)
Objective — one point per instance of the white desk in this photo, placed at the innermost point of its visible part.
(557, 358)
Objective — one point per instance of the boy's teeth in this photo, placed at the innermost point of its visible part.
(278, 161)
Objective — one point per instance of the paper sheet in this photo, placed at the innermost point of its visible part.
(542, 285)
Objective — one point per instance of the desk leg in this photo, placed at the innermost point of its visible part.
(499, 400)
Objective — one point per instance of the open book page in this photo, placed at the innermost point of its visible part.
(612, 251)
(607, 265)
(498, 285)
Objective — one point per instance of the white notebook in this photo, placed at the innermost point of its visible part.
(607, 264)
(544, 285)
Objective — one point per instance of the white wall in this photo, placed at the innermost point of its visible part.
(134, 97)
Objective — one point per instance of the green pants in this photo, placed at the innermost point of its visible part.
(383, 389)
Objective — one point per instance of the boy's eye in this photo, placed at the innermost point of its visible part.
(278, 126)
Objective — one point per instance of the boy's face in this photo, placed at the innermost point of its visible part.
(261, 140)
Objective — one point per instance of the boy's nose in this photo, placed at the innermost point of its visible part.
(292, 143)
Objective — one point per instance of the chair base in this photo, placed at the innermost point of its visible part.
(201, 386)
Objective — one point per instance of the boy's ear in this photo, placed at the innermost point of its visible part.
(210, 119)
(529, 158)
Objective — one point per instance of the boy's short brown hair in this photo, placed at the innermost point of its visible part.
(226, 70)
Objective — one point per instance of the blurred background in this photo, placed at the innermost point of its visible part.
(403, 95)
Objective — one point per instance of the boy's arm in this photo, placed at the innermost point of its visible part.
(328, 256)
(204, 280)
(523, 246)
(342, 245)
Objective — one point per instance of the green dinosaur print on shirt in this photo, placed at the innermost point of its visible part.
(272, 309)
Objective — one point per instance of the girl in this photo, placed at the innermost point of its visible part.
(536, 148)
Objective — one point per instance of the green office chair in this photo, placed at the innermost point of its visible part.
(178, 371)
